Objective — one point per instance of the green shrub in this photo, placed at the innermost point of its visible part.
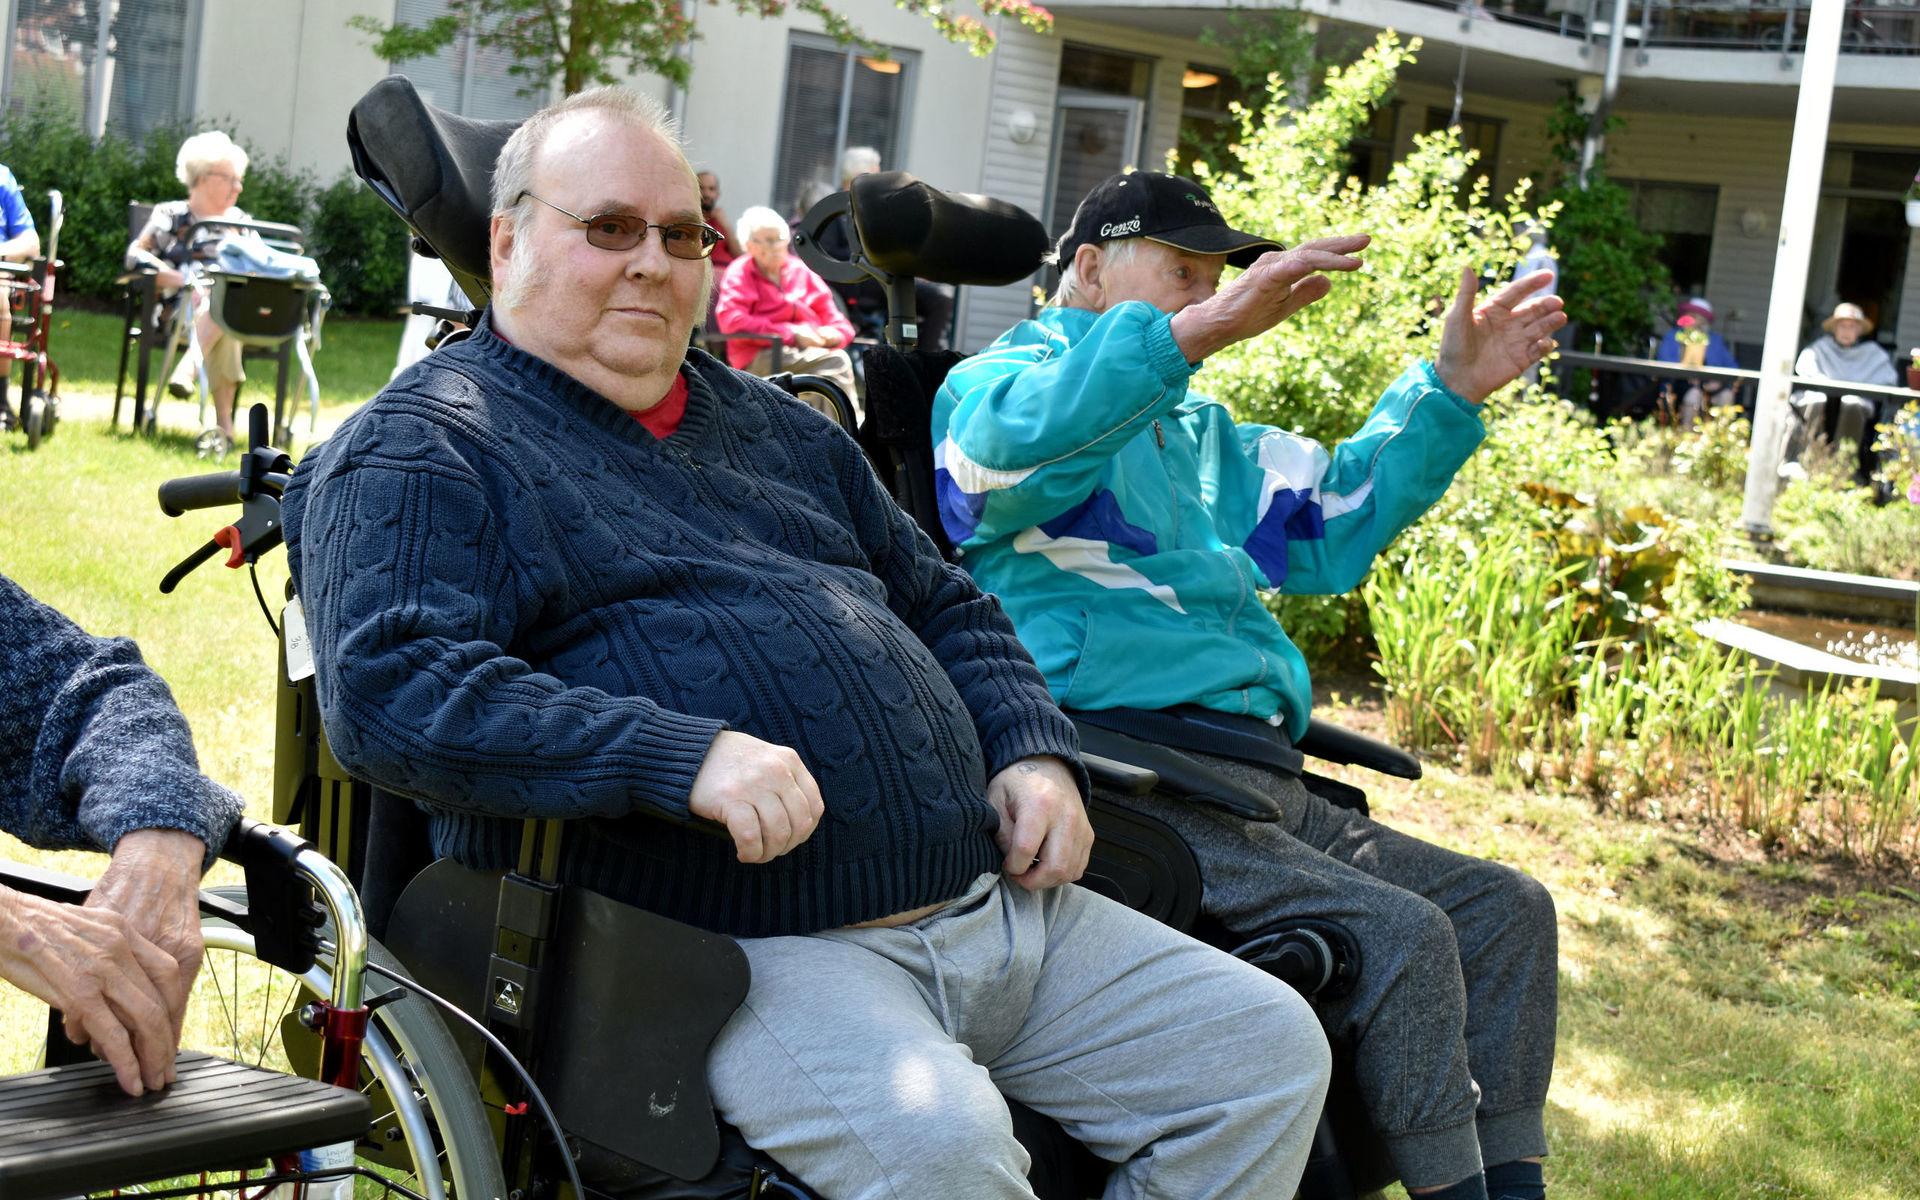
(1320, 372)
(362, 254)
(362, 247)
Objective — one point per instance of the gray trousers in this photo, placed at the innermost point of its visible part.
(872, 1062)
(1451, 1025)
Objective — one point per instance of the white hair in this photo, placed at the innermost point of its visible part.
(513, 174)
(513, 170)
(858, 160)
(1115, 253)
(757, 218)
(202, 152)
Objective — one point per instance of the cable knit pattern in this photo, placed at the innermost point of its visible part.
(523, 604)
(92, 746)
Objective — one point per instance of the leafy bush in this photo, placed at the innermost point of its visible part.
(362, 254)
(361, 245)
(1320, 372)
(1610, 272)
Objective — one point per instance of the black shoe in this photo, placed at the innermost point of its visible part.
(178, 390)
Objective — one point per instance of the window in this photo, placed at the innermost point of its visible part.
(54, 66)
(1207, 125)
(1681, 215)
(838, 96)
(1108, 72)
(466, 77)
(1370, 156)
(1476, 133)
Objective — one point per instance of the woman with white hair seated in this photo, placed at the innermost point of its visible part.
(1845, 354)
(213, 168)
(771, 292)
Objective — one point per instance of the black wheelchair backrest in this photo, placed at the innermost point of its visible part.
(434, 169)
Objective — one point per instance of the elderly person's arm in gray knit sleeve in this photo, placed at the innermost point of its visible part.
(95, 754)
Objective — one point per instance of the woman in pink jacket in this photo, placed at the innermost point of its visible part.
(771, 292)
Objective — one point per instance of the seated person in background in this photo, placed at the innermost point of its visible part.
(1128, 524)
(213, 169)
(94, 754)
(569, 568)
(867, 300)
(1845, 354)
(771, 291)
(19, 242)
(1693, 343)
(728, 247)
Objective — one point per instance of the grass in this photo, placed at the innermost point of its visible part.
(355, 358)
(1730, 1027)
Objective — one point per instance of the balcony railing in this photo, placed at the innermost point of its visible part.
(1871, 27)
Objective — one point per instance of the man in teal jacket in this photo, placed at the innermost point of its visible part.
(1129, 525)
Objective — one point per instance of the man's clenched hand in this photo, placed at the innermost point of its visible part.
(1043, 824)
(762, 793)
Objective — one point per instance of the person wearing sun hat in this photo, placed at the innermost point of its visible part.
(1845, 354)
(1129, 524)
(1692, 342)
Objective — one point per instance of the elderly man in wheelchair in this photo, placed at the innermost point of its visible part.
(566, 568)
(1126, 522)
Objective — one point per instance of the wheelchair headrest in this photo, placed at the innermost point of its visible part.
(907, 227)
(434, 169)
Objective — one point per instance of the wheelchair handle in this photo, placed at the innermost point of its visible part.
(177, 496)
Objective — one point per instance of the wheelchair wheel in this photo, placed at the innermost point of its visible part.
(36, 418)
(430, 1135)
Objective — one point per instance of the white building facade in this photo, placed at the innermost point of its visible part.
(1707, 90)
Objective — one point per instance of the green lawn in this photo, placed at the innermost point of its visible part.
(1729, 1027)
(355, 358)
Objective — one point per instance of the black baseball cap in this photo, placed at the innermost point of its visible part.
(1161, 208)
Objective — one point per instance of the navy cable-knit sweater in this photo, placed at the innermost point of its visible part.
(92, 746)
(523, 604)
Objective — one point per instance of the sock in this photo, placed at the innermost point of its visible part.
(1517, 1180)
(1473, 1187)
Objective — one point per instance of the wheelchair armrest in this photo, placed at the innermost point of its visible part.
(1179, 775)
(1117, 776)
(47, 885)
(1334, 744)
(22, 269)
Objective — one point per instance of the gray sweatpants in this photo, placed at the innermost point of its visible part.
(1451, 1024)
(871, 1062)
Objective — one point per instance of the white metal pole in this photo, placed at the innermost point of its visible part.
(1773, 419)
(1609, 90)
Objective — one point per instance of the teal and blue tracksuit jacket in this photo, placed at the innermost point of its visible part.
(1128, 524)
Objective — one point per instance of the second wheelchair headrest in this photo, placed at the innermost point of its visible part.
(910, 228)
(432, 167)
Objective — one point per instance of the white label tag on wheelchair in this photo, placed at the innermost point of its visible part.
(293, 623)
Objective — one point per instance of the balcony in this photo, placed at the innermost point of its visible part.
(1887, 27)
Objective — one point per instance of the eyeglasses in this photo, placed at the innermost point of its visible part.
(235, 180)
(624, 231)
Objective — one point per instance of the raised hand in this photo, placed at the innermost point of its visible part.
(1279, 284)
(1485, 347)
(762, 793)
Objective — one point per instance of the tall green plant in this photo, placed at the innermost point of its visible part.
(1320, 372)
(1611, 276)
